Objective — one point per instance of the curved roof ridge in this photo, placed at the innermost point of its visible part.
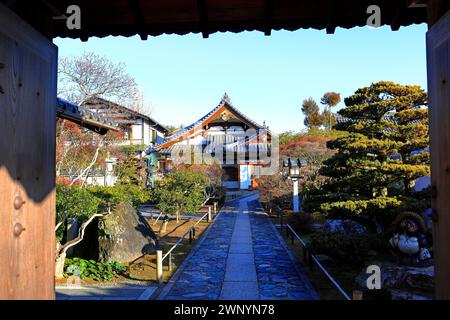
(225, 100)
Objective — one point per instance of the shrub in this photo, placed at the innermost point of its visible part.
(114, 195)
(343, 247)
(91, 269)
(181, 192)
(74, 201)
(301, 222)
(77, 202)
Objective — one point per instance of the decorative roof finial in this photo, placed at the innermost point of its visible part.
(226, 98)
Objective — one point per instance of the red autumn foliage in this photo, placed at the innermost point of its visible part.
(65, 181)
(304, 144)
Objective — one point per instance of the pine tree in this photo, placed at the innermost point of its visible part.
(313, 118)
(372, 174)
(330, 100)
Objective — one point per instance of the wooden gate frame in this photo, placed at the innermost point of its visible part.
(27, 160)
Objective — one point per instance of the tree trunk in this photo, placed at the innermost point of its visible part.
(61, 250)
(94, 160)
(59, 268)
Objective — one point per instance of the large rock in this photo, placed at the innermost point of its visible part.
(402, 281)
(343, 227)
(420, 278)
(124, 235)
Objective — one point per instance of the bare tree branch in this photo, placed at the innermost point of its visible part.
(94, 160)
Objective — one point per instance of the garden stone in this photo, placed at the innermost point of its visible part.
(420, 278)
(124, 235)
(403, 280)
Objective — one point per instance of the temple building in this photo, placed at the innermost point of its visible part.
(223, 136)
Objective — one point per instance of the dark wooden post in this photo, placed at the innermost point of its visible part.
(438, 65)
(28, 70)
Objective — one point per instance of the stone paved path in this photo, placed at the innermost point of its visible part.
(104, 293)
(240, 257)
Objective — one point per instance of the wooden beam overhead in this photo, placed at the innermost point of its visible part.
(398, 15)
(203, 17)
(102, 18)
(136, 9)
(331, 24)
(268, 14)
(331, 27)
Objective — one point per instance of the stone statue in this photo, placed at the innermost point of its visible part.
(409, 240)
(151, 161)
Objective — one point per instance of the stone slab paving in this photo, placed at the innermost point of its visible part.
(279, 276)
(241, 281)
(201, 275)
(240, 257)
(104, 293)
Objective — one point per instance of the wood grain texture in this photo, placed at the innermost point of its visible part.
(438, 63)
(27, 160)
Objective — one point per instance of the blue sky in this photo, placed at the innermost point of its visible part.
(267, 78)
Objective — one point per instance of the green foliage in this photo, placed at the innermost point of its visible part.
(328, 119)
(91, 269)
(373, 172)
(130, 171)
(333, 133)
(171, 129)
(75, 202)
(181, 192)
(287, 137)
(133, 194)
(133, 149)
(376, 206)
(343, 247)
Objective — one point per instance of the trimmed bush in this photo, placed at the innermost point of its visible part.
(343, 247)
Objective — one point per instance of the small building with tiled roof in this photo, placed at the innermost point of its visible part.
(224, 136)
(138, 128)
